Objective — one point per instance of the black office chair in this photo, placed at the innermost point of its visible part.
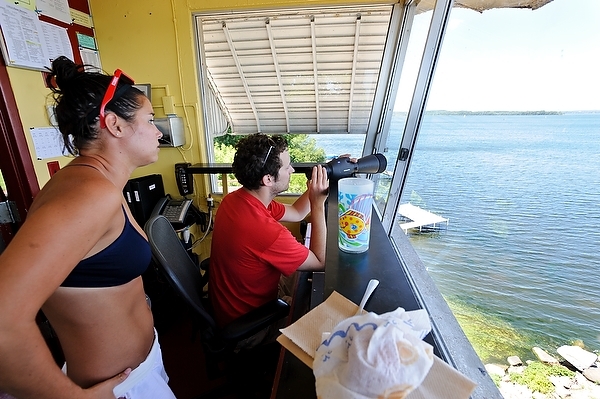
(184, 277)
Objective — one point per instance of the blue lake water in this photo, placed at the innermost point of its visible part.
(522, 193)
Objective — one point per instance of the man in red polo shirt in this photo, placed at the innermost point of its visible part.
(251, 250)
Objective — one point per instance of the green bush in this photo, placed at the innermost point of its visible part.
(535, 376)
(302, 148)
(496, 378)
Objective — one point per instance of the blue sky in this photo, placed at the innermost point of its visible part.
(515, 59)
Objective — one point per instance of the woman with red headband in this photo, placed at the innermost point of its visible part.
(79, 255)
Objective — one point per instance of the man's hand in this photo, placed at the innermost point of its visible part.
(318, 185)
(318, 189)
(104, 389)
(353, 160)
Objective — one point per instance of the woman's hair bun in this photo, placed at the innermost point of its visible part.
(64, 73)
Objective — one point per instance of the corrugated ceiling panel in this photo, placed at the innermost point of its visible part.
(264, 68)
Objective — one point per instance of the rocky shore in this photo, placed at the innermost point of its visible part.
(574, 373)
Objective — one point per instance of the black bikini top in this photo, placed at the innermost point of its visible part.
(123, 260)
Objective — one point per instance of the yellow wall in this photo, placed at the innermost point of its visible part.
(31, 96)
(153, 41)
(139, 37)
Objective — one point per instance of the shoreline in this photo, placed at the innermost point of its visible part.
(507, 340)
(575, 376)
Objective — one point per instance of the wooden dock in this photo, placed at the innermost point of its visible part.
(417, 218)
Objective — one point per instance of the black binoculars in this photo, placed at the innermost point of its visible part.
(338, 168)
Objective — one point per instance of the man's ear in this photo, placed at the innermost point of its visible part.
(267, 180)
(113, 125)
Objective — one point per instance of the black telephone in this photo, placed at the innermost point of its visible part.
(174, 210)
(185, 180)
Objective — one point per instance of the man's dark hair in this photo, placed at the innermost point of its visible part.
(257, 155)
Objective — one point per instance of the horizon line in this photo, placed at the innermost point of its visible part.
(509, 111)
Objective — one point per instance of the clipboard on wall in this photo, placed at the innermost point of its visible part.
(21, 41)
(50, 33)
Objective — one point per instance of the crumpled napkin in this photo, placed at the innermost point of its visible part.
(303, 337)
(374, 356)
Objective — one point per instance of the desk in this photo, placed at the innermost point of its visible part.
(347, 274)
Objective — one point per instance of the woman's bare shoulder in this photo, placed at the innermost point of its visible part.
(79, 191)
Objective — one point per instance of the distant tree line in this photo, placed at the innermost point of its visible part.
(442, 112)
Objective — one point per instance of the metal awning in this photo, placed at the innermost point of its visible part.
(309, 71)
(300, 71)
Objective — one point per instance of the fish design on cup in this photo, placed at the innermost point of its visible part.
(352, 223)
